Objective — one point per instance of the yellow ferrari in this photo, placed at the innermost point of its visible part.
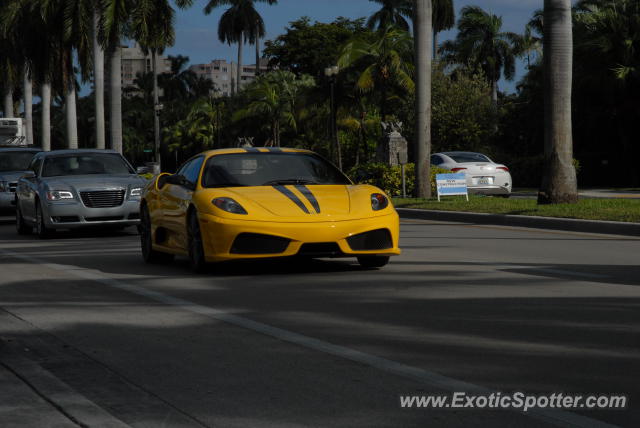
(250, 203)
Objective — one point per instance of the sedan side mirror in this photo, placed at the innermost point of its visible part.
(29, 175)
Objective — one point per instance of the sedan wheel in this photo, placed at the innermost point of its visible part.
(373, 261)
(196, 249)
(150, 255)
(42, 230)
(21, 226)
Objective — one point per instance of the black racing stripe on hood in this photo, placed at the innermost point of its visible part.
(310, 196)
(289, 194)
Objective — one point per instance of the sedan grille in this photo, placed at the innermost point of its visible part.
(103, 198)
(12, 187)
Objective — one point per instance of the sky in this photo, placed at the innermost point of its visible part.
(196, 33)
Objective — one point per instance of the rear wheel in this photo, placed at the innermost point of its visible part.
(146, 241)
(373, 261)
(21, 226)
(196, 249)
(42, 230)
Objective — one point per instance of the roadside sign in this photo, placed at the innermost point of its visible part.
(148, 150)
(452, 185)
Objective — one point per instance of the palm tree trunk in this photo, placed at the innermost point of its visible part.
(8, 102)
(115, 90)
(98, 79)
(559, 183)
(28, 106)
(257, 55)
(71, 116)
(156, 103)
(423, 28)
(46, 116)
(494, 93)
(239, 71)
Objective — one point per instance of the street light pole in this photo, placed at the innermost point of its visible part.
(332, 73)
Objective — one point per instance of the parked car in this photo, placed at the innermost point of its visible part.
(484, 176)
(67, 189)
(14, 162)
(250, 203)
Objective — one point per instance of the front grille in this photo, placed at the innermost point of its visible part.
(379, 239)
(104, 218)
(255, 243)
(103, 198)
(320, 249)
(12, 187)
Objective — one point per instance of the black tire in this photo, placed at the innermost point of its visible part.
(370, 262)
(42, 230)
(196, 249)
(21, 227)
(149, 255)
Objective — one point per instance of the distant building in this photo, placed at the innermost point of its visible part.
(135, 62)
(223, 74)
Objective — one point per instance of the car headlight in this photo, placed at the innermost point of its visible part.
(229, 205)
(135, 192)
(379, 201)
(4, 186)
(59, 195)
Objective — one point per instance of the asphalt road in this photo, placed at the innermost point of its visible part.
(326, 343)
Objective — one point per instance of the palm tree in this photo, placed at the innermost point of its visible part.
(392, 12)
(273, 97)
(423, 30)
(385, 62)
(482, 44)
(239, 24)
(98, 76)
(529, 44)
(444, 18)
(559, 183)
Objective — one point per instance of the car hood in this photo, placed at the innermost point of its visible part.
(10, 176)
(94, 181)
(296, 200)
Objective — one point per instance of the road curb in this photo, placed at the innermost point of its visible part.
(567, 224)
(78, 409)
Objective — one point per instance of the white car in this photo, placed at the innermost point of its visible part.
(483, 175)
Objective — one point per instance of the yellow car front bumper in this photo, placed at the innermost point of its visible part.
(219, 235)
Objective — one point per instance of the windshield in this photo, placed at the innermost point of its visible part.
(468, 157)
(266, 169)
(85, 164)
(15, 161)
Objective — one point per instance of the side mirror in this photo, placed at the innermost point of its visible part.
(29, 175)
(177, 179)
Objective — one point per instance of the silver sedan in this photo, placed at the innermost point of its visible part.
(69, 189)
(484, 176)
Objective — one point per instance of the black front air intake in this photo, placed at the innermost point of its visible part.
(320, 249)
(379, 239)
(255, 243)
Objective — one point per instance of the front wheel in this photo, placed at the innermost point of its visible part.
(373, 261)
(21, 227)
(42, 230)
(149, 255)
(196, 249)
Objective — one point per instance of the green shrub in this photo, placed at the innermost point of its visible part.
(389, 178)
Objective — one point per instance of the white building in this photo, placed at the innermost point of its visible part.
(135, 62)
(223, 74)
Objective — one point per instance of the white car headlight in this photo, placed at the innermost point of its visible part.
(379, 201)
(229, 205)
(4, 187)
(135, 192)
(59, 195)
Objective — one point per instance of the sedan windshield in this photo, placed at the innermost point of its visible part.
(465, 157)
(267, 169)
(85, 164)
(15, 161)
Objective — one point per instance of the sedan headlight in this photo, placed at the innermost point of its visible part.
(4, 187)
(135, 192)
(379, 201)
(229, 205)
(59, 195)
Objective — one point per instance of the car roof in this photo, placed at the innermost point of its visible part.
(20, 149)
(255, 150)
(75, 152)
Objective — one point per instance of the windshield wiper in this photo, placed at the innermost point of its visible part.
(289, 181)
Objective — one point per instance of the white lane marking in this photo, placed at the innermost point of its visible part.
(553, 416)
